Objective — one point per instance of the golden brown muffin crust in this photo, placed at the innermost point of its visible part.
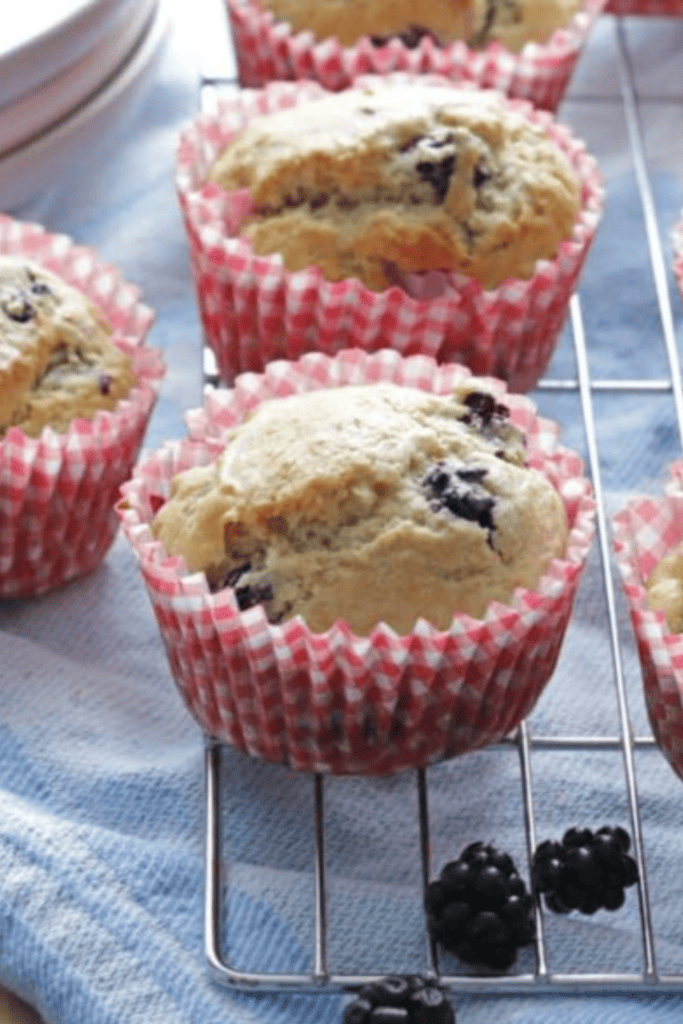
(369, 503)
(57, 360)
(478, 22)
(403, 176)
(664, 589)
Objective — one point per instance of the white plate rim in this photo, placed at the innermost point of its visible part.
(35, 112)
(29, 64)
(24, 171)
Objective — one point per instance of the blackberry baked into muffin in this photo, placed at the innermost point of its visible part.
(369, 503)
(402, 177)
(477, 22)
(57, 358)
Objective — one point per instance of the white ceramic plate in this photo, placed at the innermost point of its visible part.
(41, 38)
(28, 169)
(32, 113)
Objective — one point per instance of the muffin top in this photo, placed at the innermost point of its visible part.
(478, 22)
(400, 177)
(664, 589)
(369, 503)
(57, 359)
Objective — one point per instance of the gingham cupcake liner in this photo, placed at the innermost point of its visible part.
(677, 247)
(654, 7)
(646, 529)
(254, 311)
(336, 702)
(267, 50)
(58, 491)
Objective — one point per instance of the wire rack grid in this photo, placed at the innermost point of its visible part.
(219, 78)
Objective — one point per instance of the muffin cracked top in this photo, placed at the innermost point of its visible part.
(369, 503)
(403, 177)
(57, 359)
(478, 22)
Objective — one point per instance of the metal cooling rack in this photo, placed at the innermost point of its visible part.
(219, 78)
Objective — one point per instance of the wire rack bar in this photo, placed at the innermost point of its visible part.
(624, 718)
(220, 79)
(541, 982)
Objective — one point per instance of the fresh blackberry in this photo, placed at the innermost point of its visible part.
(479, 908)
(586, 871)
(400, 999)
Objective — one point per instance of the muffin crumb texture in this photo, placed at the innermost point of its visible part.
(369, 503)
(57, 359)
(395, 178)
(477, 22)
(664, 589)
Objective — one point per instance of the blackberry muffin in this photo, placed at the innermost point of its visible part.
(374, 503)
(454, 177)
(526, 49)
(57, 358)
(403, 177)
(401, 474)
(477, 22)
(78, 384)
(255, 309)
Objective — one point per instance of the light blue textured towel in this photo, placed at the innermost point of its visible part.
(101, 767)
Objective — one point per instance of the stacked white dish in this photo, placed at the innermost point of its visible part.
(64, 70)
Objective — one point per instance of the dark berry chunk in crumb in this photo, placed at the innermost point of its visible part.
(458, 489)
(484, 408)
(480, 176)
(17, 307)
(491, 420)
(219, 576)
(479, 908)
(586, 871)
(104, 382)
(438, 174)
(400, 999)
(37, 287)
(40, 288)
(253, 594)
(414, 34)
(410, 37)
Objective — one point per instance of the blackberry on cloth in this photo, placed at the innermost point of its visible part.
(586, 871)
(479, 908)
(400, 999)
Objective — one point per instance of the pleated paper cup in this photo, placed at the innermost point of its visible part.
(58, 491)
(267, 50)
(336, 702)
(677, 247)
(659, 8)
(254, 311)
(645, 530)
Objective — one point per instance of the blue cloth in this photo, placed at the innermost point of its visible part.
(101, 767)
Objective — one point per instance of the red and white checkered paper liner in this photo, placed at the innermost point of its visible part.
(645, 529)
(655, 7)
(58, 491)
(336, 702)
(677, 246)
(267, 50)
(254, 311)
